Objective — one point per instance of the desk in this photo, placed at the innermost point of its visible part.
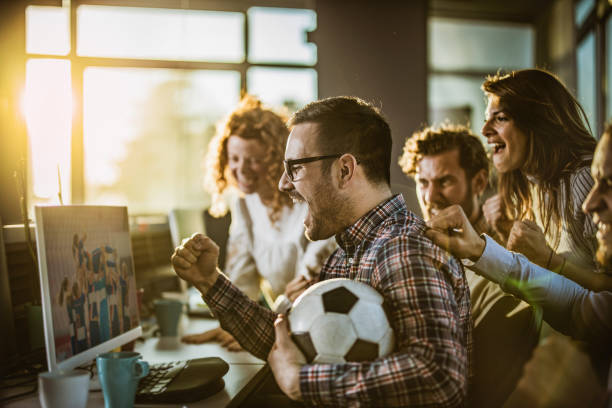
(242, 374)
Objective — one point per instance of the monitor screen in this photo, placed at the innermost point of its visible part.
(87, 282)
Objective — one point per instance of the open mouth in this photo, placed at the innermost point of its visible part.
(296, 198)
(246, 182)
(498, 147)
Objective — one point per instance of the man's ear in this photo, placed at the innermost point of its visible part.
(479, 182)
(347, 164)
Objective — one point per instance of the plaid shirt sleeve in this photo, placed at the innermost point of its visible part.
(430, 366)
(251, 324)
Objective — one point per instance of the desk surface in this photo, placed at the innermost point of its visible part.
(243, 367)
(153, 350)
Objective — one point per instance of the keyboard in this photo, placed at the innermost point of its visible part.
(159, 377)
(182, 381)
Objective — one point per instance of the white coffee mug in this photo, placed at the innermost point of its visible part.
(63, 389)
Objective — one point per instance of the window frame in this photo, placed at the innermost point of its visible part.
(471, 73)
(78, 64)
(595, 23)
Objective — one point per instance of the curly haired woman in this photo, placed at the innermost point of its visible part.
(267, 248)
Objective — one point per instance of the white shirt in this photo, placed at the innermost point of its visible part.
(277, 252)
(577, 242)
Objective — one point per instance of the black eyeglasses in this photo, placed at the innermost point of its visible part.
(289, 164)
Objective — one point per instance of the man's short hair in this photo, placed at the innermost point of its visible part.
(435, 140)
(347, 124)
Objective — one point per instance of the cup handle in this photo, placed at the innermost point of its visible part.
(141, 369)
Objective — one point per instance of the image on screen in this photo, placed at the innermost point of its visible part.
(90, 287)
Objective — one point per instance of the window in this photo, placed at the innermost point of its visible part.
(593, 61)
(187, 35)
(582, 10)
(291, 88)
(608, 54)
(47, 30)
(148, 87)
(477, 46)
(586, 91)
(48, 112)
(146, 147)
(279, 35)
(456, 98)
(461, 54)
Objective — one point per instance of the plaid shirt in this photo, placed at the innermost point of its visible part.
(429, 304)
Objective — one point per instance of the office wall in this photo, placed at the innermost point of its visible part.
(555, 41)
(13, 143)
(377, 51)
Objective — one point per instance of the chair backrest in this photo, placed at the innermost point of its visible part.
(185, 221)
(506, 330)
(217, 228)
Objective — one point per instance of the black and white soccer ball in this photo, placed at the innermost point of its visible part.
(340, 320)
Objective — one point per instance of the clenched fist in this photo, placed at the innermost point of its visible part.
(196, 261)
(494, 212)
(451, 230)
(527, 238)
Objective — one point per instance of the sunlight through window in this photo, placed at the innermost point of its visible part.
(146, 124)
(288, 87)
(47, 30)
(48, 112)
(279, 35)
(146, 132)
(132, 32)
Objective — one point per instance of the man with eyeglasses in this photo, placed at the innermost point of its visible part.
(337, 160)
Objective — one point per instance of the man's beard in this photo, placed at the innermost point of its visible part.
(467, 204)
(328, 218)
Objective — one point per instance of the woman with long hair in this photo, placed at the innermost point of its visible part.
(267, 248)
(542, 151)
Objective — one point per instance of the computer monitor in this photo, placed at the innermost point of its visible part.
(87, 279)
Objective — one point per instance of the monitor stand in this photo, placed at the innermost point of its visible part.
(94, 381)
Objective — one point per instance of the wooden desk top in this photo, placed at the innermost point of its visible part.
(154, 350)
(243, 367)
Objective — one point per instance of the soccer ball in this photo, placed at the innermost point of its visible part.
(340, 320)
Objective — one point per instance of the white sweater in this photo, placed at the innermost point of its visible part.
(276, 252)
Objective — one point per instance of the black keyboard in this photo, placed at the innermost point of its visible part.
(159, 377)
(182, 381)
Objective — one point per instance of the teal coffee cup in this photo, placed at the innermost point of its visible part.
(168, 313)
(119, 374)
